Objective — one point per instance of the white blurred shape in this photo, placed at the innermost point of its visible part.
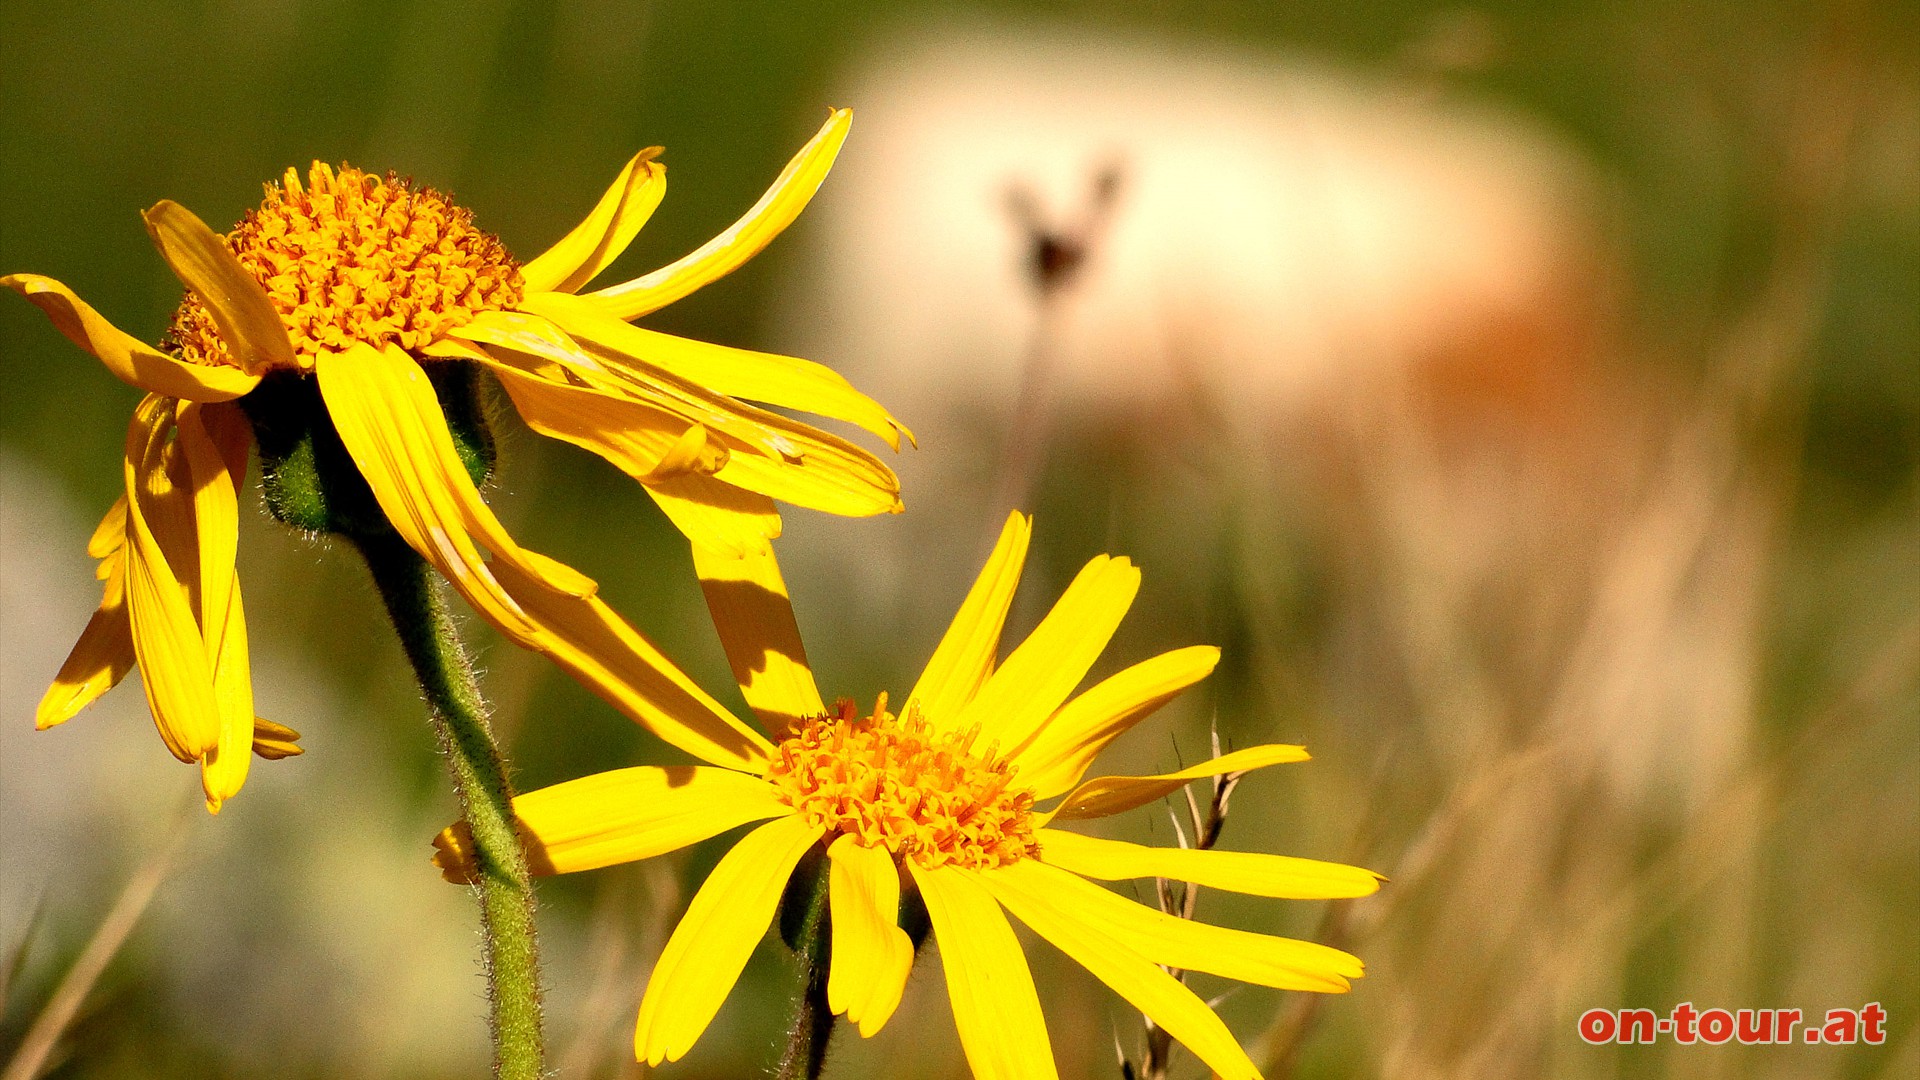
(1288, 238)
(1284, 227)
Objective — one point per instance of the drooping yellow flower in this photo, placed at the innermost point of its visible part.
(349, 311)
(942, 795)
(166, 553)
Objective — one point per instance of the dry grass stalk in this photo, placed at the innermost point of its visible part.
(42, 1039)
(1179, 899)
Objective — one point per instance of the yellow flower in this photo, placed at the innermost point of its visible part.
(172, 600)
(351, 304)
(941, 795)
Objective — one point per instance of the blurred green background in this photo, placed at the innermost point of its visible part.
(1756, 372)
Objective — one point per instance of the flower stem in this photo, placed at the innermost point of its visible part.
(807, 930)
(419, 611)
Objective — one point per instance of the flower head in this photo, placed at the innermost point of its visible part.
(339, 329)
(351, 258)
(943, 797)
(903, 785)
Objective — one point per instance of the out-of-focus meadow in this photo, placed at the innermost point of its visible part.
(1526, 397)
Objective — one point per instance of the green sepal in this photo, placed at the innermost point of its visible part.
(803, 903)
(807, 928)
(310, 481)
(913, 918)
(808, 888)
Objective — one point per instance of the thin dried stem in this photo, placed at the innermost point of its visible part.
(1181, 899)
(1056, 256)
(41, 1038)
(17, 955)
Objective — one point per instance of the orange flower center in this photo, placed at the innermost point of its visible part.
(897, 783)
(353, 257)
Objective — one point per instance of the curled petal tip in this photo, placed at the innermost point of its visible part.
(56, 708)
(453, 855)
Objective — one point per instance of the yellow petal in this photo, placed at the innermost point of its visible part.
(635, 436)
(1185, 943)
(214, 440)
(111, 534)
(594, 243)
(391, 424)
(748, 600)
(964, 657)
(768, 378)
(717, 516)
(821, 473)
(131, 360)
(693, 452)
(1057, 755)
(769, 453)
(99, 660)
(410, 419)
(223, 771)
(162, 569)
(242, 313)
(707, 951)
(742, 240)
(1146, 987)
(166, 634)
(104, 653)
(531, 336)
(1038, 676)
(588, 640)
(1105, 795)
(533, 354)
(871, 954)
(275, 741)
(988, 982)
(620, 816)
(1278, 876)
(452, 348)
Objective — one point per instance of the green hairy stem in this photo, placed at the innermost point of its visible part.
(420, 615)
(805, 926)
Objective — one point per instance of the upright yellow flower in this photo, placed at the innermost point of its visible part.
(941, 795)
(345, 316)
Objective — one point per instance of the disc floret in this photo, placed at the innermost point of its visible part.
(898, 783)
(352, 257)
